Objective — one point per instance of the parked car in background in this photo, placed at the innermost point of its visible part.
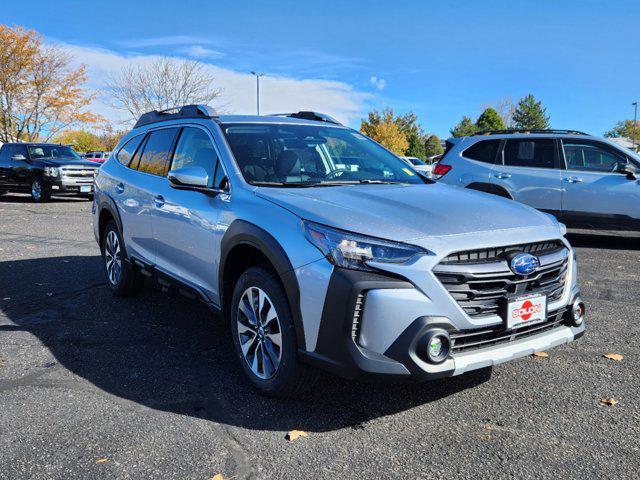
(99, 157)
(419, 165)
(585, 181)
(323, 249)
(45, 169)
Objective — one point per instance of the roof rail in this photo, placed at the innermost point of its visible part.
(525, 130)
(306, 115)
(174, 113)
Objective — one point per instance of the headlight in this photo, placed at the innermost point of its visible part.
(51, 171)
(349, 250)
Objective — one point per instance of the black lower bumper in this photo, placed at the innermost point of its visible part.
(337, 350)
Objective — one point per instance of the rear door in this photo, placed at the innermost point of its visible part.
(528, 168)
(5, 165)
(19, 171)
(594, 194)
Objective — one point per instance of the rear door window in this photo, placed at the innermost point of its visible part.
(157, 150)
(483, 151)
(535, 153)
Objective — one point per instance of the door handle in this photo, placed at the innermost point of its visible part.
(120, 188)
(573, 179)
(502, 176)
(159, 201)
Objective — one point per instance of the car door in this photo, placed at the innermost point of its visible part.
(5, 165)
(528, 168)
(185, 221)
(134, 191)
(594, 193)
(19, 171)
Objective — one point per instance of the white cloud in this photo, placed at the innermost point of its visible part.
(379, 83)
(164, 41)
(278, 93)
(198, 51)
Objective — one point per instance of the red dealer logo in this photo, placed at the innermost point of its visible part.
(526, 310)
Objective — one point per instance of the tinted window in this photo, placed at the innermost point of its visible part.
(591, 157)
(529, 153)
(219, 181)
(484, 151)
(126, 152)
(52, 151)
(18, 150)
(155, 156)
(195, 149)
(4, 153)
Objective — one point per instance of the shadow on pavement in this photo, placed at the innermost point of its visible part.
(605, 240)
(172, 354)
(26, 198)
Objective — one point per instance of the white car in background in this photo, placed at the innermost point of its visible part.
(420, 165)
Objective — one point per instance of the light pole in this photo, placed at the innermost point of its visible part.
(635, 124)
(258, 75)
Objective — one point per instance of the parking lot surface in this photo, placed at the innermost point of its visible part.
(93, 386)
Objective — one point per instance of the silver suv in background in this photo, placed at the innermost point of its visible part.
(585, 181)
(323, 249)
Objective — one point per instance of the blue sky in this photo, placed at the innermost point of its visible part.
(440, 59)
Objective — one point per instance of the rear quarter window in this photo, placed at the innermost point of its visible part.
(483, 151)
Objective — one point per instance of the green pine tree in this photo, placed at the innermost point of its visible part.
(464, 128)
(433, 146)
(530, 115)
(489, 120)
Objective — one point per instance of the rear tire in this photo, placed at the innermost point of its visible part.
(122, 278)
(263, 320)
(39, 191)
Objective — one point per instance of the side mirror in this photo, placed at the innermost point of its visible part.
(629, 170)
(18, 158)
(185, 177)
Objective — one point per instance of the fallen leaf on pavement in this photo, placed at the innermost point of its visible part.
(102, 460)
(540, 354)
(217, 476)
(608, 401)
(294, 434)
(613, 356)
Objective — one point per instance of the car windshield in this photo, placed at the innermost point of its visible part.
(52, 151)
(293, 155)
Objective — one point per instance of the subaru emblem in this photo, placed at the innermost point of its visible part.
(524, 264)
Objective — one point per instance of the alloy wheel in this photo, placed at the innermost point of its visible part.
(113, 258)
(36, 189)
(259, 333)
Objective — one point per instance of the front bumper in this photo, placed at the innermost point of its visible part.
(81, 186)
(360, 305)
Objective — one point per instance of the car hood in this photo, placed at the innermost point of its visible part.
(60, 162)
(405, 212)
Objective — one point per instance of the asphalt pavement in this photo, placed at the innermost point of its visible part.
(93, 386)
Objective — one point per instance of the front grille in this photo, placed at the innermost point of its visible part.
(482, 287)
(79, 173)
(479, 338)
(492, 254)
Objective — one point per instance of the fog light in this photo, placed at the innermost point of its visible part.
(437, 345)
(577, 312)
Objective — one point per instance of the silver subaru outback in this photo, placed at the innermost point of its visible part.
(324, 250)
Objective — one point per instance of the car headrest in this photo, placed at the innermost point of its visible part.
(288, 163)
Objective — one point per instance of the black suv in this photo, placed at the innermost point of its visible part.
(43, 169)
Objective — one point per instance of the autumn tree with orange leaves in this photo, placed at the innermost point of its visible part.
(41, 92)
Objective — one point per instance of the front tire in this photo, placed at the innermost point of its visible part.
(122, 279)
(264, 336)
(39, 192)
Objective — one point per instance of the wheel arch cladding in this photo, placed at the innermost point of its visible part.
(108, 211)
(490, 188)
(240, 238)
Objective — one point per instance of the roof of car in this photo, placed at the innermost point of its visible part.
(39, 144)
(270, 119)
